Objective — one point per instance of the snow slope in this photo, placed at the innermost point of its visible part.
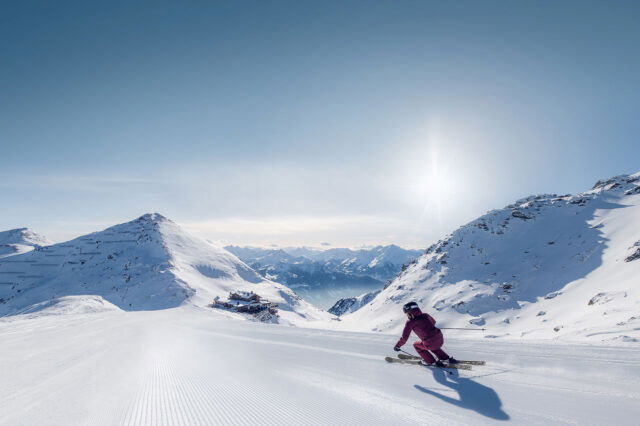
(146, 264)
(21, 240)
(546, 266)
(194, 366)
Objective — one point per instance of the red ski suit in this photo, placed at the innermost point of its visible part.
(431, 338)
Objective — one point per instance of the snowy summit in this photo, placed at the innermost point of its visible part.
(546, 266)
(147, 264)
(21, 240)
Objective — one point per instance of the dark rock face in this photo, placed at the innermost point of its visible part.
(633, 191)
(635, 255)
(352, 304)
(518, 214)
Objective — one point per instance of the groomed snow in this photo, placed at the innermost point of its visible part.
(193, 366)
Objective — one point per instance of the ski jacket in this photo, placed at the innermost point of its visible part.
(425, 328)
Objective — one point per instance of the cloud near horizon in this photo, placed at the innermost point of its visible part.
(301, 231)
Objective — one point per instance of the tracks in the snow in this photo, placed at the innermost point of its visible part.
(175, 394)
(183, 368)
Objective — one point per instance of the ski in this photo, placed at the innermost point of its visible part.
(417, 362)
(407, 357)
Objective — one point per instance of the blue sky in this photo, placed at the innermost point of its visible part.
(296, 122)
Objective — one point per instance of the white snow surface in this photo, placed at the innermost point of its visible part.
(69, 305)
(546, 267)
(194, 366)
(146, 264)
(20, 240)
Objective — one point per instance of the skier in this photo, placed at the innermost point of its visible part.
(431, 339)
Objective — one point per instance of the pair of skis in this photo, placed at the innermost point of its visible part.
(415, 360)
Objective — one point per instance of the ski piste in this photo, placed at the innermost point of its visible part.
(403, 356)
(417, 362)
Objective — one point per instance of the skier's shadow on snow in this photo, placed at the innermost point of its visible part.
(472, 395)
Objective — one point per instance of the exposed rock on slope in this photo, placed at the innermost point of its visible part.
(634, 252)
(352, 304)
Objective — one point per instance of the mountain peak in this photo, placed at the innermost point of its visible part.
(617, 182)
(20, 240)
(152, 217)
(22, 236)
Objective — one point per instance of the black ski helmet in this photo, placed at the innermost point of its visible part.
(409, 306)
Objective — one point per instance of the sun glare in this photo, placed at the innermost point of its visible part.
(434, 186)
(433, 179)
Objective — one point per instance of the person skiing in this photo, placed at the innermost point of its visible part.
(431, 339)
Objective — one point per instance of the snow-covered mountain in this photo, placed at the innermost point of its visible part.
(21, 240)
(324, 276)
(147, 264)
(546, 266)
(352, 304)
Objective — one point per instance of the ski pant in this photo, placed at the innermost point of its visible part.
(425, 347)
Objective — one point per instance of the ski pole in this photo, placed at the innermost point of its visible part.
(456, 328)
(406, 352)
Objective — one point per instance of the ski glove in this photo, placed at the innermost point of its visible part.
(396, 348)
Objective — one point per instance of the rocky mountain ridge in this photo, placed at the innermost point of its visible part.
(545, 266)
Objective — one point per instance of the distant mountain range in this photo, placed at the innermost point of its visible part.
(324, 276)
(545, 266)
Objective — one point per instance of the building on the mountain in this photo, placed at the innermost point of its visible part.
(245, 296)
(246, 302)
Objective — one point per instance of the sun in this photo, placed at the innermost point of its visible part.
(434, 180)
(434, 186)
